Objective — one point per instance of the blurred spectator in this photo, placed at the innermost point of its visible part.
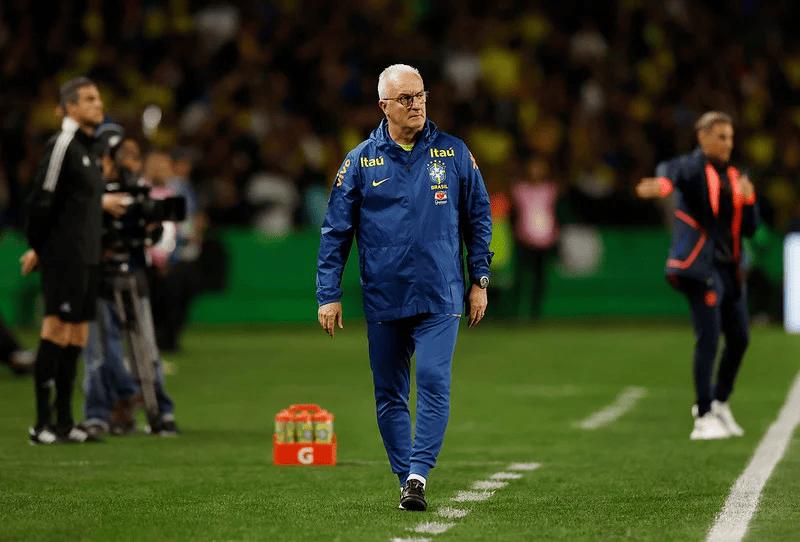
(533, 200)
(268, 94)
(184, 262)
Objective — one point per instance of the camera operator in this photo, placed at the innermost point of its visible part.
(123, 308)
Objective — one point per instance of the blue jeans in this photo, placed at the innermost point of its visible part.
(391, 345)
(106, 378)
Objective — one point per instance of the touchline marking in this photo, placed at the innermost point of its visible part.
(432, 527)
(472, 496)
(455, 462)
(524, 466)
(481, 491)
(622, 404)
(742, 502)
(452, 513)
(505, 476)
(489, 484)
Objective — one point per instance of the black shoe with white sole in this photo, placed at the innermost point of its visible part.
(413, 497)
(162, 426)
(94, 428)
(41, 436)
(76, 435)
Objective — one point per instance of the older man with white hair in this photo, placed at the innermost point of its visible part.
(411, 195)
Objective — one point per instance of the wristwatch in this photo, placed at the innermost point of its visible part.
(483, 282)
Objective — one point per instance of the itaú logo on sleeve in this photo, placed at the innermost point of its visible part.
(305, 455)
(440, 197)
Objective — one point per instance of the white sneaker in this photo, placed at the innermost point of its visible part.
(723, 412)
(42, 436)
(708, 427)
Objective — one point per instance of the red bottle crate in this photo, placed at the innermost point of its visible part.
(311, 453)
(304, 453)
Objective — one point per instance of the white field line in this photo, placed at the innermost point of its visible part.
(622, 404)
(489, 484)
(455, 462)
(472, 496)
(505, 476)
(481, 491)
(452, 513)
(742, 502)
(524, 466)
(432, 527)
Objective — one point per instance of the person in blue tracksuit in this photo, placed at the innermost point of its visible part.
(413, 197)
(715, 208)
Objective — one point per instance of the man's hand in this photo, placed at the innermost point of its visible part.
(29, 260)
(116, 204)
(649, 188)
(329, 315)
(478, 301)
(746, 186)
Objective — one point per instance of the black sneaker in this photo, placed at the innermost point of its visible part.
(413, 497)
(169, 428)
(162, 426)
(76, 435)
(95, 428)
(42, 435)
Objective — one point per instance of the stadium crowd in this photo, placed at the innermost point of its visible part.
(267, 95)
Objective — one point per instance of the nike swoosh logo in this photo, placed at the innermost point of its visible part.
(378, 183)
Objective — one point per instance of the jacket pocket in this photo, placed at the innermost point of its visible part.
(389, 264)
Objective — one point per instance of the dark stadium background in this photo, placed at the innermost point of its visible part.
(268, 96)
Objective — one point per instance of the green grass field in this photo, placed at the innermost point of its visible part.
(517, 393)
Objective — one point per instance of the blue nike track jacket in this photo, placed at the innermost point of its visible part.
(410, 212)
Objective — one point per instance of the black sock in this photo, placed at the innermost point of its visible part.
(47, 361)
(65, 383)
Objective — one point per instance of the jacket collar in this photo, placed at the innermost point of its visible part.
(69, 125)
(382, 139)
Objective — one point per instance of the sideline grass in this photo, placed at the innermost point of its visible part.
(517, 392)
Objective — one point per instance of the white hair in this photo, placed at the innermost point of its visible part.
(391, 73)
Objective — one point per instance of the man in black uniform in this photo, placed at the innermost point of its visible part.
(63, 230)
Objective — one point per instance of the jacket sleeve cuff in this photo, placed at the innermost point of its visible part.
(324, 300)
(666, 186)
(475, 276)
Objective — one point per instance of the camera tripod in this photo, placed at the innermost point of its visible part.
(136, 318)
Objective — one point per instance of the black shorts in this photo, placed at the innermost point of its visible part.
(70, 291)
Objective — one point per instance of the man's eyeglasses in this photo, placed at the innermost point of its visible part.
(407, 100)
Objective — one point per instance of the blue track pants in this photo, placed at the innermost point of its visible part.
(391, 345)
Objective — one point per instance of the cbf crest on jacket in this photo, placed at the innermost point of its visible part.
(696, 219)
(410, 212)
